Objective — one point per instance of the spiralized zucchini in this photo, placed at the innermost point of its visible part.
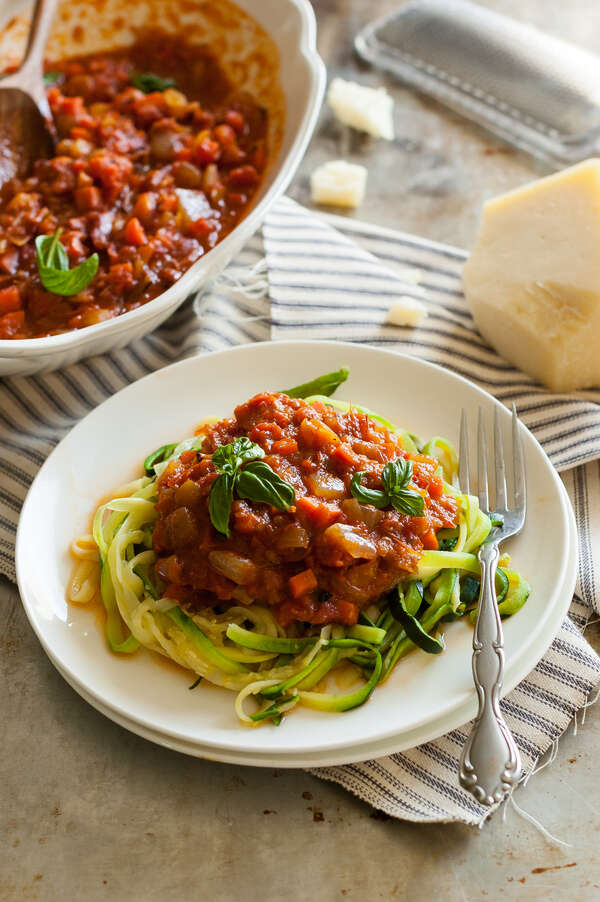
(245, 649)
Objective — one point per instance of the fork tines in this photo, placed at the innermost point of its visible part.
(518, 465)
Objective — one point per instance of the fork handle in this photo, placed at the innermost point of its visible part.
(490, 763)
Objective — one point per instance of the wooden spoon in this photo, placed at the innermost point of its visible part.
(25, 120)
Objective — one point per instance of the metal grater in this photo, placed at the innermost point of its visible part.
(537, 92)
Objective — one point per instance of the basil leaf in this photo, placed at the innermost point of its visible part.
(224, 459)
(50, 252)
(50, 78)
(157, 457)
(413, 628)
(219, 502)
(258, 482)
(246, 450)
(69, 282)
(229, 458)
(148, 82)
(396, 474)
(367, 496)
(407, 501)
(322, 385)
(53, 267)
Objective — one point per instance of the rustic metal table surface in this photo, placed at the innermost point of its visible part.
(90, 811)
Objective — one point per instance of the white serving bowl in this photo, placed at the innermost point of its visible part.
(291, 26)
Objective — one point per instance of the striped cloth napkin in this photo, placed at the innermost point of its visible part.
(328, 277)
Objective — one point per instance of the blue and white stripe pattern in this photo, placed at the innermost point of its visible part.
(335, 278)
(323, 285)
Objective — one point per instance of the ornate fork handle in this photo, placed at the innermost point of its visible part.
(490, 764)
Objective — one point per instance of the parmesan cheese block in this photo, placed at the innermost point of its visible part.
(533, 279)
(406, 311)
(367, 109)
(339, 183)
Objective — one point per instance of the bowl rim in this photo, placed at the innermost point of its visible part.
(184, 286)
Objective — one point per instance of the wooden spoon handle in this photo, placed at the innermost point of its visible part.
(29, 77)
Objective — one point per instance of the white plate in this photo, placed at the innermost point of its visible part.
(326, 757)
(424, 694)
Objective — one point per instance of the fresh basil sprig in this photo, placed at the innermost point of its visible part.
(395, 478)
(53, 266)
(148, 82)
(229, 458)
(322, 385)
(256, 482)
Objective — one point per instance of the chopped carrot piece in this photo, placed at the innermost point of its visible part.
(284, 446)
(88, 198)
(318, 513)
(134, 232)
(302, 583)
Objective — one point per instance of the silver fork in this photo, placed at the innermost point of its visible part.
(490, 764)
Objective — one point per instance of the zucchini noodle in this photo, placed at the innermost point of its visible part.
(245, 649)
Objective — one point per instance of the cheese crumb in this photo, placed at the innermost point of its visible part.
(406, 312)
(339, 183)
(367, 109)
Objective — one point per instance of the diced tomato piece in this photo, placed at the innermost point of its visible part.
(10, 299)
(12, 323)
(204, 119)
(289, 611)
(206, 151)
(236, 121)
(232, 155)
(436, 487)
(258, 157)
(344, 455)
(315, 434)
(318, 513)
(183, 154)
(134, 232)
(145, 205)
(309, 610)
(9, 261)
(302, 583)
(74, 245)
(224, 134)
(120, 277)
(200, 229)
(244, 175)
(284, 446)
(88, 198)
(336, 610)
(237, 199)
(429, 540)
(112, 170)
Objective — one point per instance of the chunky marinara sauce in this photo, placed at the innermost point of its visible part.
(325, 559)
(148, 181)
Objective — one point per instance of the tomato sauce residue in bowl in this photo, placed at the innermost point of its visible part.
(148, 181)
(325, 559)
